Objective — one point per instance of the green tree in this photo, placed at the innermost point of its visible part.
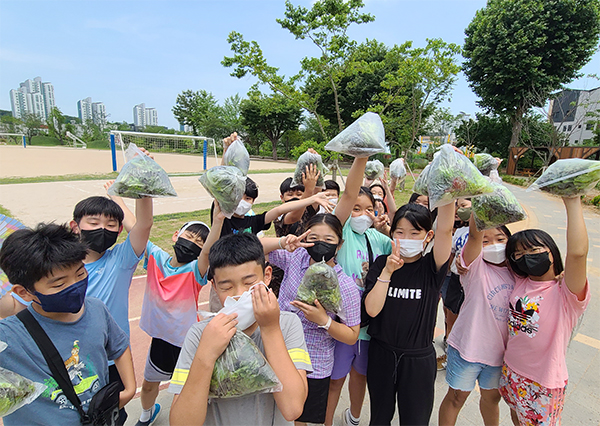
(10, 124)
(442, 122)
(58, 126)
(489, 133)
(33, 124)
(197, 109)
(519, 51)
(270, 116)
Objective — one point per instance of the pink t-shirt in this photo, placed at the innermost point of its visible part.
(541, 319)
(480, 333)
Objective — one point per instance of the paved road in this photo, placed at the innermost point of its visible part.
(582, 405)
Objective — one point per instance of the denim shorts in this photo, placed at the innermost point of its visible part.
(462, 375)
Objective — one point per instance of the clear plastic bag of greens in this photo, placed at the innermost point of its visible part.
(398, 169)
(374, 169)
(420, 186)
(320, 282)
(141, 177)
(242, 370)
(485, 163)
(303, 162)
(227, 185)
(237, 156)
(363, 138)
(569, 178)
(15, 390)
(498, 208)
(452, 176)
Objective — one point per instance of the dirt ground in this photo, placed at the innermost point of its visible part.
(16, 161)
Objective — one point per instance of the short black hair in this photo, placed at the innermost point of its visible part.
(331, 184)
(198, 229)
(419, 217)
(251, 189)
(286, 185)
(28, 255)
(97, 205)
(234, 250)
(366, 191)
(528, 239)
(382, 188)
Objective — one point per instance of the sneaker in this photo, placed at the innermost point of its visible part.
(441, 362)
(153, 417)
(347, 419)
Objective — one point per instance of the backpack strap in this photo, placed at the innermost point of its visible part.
(370, 251)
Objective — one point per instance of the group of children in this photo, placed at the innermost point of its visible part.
(520, 306)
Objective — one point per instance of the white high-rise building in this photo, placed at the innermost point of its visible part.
(151, 117)
(84, 109)
(99, 113)
(33, 97)
(143, 116)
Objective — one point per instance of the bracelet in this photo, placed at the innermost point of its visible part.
(327, 324)
(280, 242)
(384, 281)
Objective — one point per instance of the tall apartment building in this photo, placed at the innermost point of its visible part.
(569, 113)
(88, 110)
(32, 97)
(99, 113)
(143, 116)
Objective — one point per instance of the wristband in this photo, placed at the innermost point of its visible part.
(327, 324)
(280, 243)
(384, 281)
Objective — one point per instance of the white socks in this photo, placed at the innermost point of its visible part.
(146, 414)
(350, 419)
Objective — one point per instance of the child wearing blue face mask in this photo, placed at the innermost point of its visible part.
(401, 299)
(46, 268)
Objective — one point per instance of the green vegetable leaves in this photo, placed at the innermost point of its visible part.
(226, 184)
(374, 169)
(363, 138)
(569, 178)
(304, 161)
(237, 156)
(498, 208)
(320, 282)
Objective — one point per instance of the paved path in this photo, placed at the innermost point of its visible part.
(582, 405)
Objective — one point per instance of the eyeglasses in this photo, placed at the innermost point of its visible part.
(534, 250)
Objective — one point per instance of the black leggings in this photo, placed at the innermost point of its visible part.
(407, 377)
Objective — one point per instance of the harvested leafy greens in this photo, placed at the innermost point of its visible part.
(226, 184)
(320, 282)
(242, 370)
(374, 169)
(420, 186)
(485, 163)
(498, 208)
(237, 155)
(363, 138)
(569, 178)
(141, 177)
(398, 169)
(304, 161)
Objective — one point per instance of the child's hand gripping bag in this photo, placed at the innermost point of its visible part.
(237, 156)
(227, 185)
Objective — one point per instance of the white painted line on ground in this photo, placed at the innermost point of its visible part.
(561, 228)
(586, 340)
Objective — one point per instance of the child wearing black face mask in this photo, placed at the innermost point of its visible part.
(321, 329)
(544, 307)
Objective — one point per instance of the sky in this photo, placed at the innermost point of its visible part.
(128, 52)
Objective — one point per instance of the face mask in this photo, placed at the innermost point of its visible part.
(411, 248)
(322, 251)
(242, 306)
(99, 240)
(534, 264)
(186, 251)
(360, 224)
(333, 201)
(377, 197)
(464, 213)
(68, 300)
(243, 208)
(494, 253)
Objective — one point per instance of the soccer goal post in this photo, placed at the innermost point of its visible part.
(16, 138)
(160, 142)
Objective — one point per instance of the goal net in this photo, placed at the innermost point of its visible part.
(12, 138)
(159, 142)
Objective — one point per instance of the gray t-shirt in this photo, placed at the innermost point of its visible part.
(248, 410)
(86, 345)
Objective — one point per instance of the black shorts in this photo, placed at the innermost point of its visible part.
(161, 361)
(455, 295)
(315, 406)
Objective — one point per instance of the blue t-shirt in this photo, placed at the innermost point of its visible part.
(85, 345)
(110, 278)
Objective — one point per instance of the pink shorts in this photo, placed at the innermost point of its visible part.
(533, 403)
(348, 356)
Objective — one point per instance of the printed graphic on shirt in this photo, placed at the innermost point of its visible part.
(498, 298)
(404, 293)
(85, 387)
(241, 231)
(524, 316)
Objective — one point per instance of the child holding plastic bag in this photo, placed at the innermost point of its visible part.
(321, 328)
(237, 263)
(236, 154)
(544, 308)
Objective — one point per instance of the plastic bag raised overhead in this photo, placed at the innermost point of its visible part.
(237, 156)
(227, 185)
(485, 163)
(363, 138)
(374, 169)
(242, 370)
(420, 186)
(15, 390)
(452, 176)
(498, 208)
(569, 178)
(141, 177)
(304, 161)
(320, 282)
(398, 169)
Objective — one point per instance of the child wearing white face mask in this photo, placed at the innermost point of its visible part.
(478, 339)
(401, 299)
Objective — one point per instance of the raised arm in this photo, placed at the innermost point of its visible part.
(213, 236)
(309, 180)
(288, 242)
(442, 245)
(474, 243)
(143, 224)
(274, 213)
(577, 248)
(226, 142)
(389, 195)
(350, 194)
(129, 219)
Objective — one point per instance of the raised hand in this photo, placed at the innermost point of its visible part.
(108, 184)
(228, 141)
(217, 213)
(394, 261)
(323, 200)
(380, 222)
(292, 242)
(310, 177)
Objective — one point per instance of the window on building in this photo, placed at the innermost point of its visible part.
(569, 128)
(564, 128)
(589, 126)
